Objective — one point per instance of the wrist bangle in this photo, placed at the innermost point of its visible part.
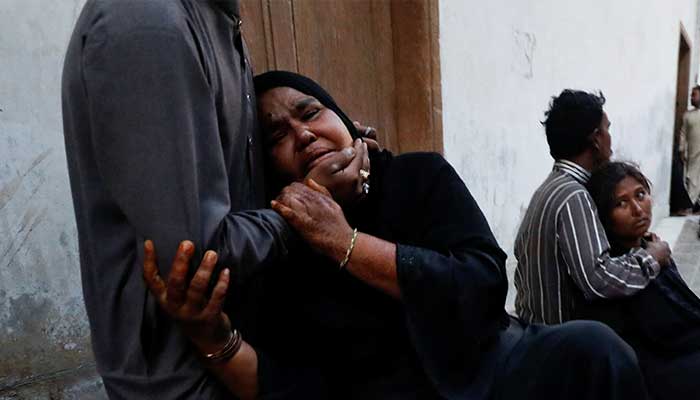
(233, 344)
(347, 253)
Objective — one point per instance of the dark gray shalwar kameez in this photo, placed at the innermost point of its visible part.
(159, 122)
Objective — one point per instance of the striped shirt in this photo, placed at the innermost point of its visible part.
(563, 252)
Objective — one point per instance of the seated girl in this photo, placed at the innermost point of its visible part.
(397, 291)
(662, 321)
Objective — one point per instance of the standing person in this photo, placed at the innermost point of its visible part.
(562, 251)
(160, 132)
(689, 146)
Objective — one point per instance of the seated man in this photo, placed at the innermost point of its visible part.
(562, 251)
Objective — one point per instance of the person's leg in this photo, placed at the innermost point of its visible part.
(673, 377)
(680, 202)
(581, 360)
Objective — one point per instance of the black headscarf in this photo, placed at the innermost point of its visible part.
(274, 79)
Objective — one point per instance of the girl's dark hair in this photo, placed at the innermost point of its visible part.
(603, 182)
(570, 121)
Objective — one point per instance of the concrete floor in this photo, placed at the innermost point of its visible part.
(686, 247)
(77, 384)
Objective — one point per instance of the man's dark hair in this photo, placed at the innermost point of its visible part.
(696, 87)
(602, 185)
(571, 119)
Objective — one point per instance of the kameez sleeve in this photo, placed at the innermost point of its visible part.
(453, 281)
(586, 251)
(158, 148)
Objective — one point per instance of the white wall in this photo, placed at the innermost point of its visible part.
(502, 60)
(44, 335)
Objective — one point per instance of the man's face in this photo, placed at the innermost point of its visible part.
(603, 140)
(695, 98)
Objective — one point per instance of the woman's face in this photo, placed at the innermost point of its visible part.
(631, 213)
(299, 131)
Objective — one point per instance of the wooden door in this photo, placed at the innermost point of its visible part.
(378, 58)
(682, 84)
(678, 196)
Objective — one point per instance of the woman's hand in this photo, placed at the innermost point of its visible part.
(341, 175)
(311, 210)
(200, 318)
(369, 136)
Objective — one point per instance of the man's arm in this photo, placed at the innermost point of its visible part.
(158, 148)
(683, 139)
(584, 245)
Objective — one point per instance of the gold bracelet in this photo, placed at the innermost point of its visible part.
(347, 253)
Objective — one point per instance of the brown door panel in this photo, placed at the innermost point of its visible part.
(379, 58)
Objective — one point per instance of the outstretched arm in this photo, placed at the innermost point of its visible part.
(586, 251)
(247, 373)
(683, 140)
(158, 149)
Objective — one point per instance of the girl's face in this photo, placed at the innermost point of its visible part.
(299, 132)
(631, 213)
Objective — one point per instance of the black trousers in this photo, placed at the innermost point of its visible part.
(679, 196)
(672, 377)
(662, 324)
(578, 360)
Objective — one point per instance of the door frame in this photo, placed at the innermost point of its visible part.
(415, 89)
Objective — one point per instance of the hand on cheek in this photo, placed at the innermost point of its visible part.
(340, 174)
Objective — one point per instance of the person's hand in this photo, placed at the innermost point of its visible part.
(340, 173)
(651, 237)
(368, 135)
(310, 210)
(201, 319)
(659, 249)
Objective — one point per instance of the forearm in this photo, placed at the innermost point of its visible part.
(586, 251)
(156, 142)
(373, 261)
(254, 374)
(240, 373)
(622, 276)
(682, 139)
(248, 241)
(598, 275)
